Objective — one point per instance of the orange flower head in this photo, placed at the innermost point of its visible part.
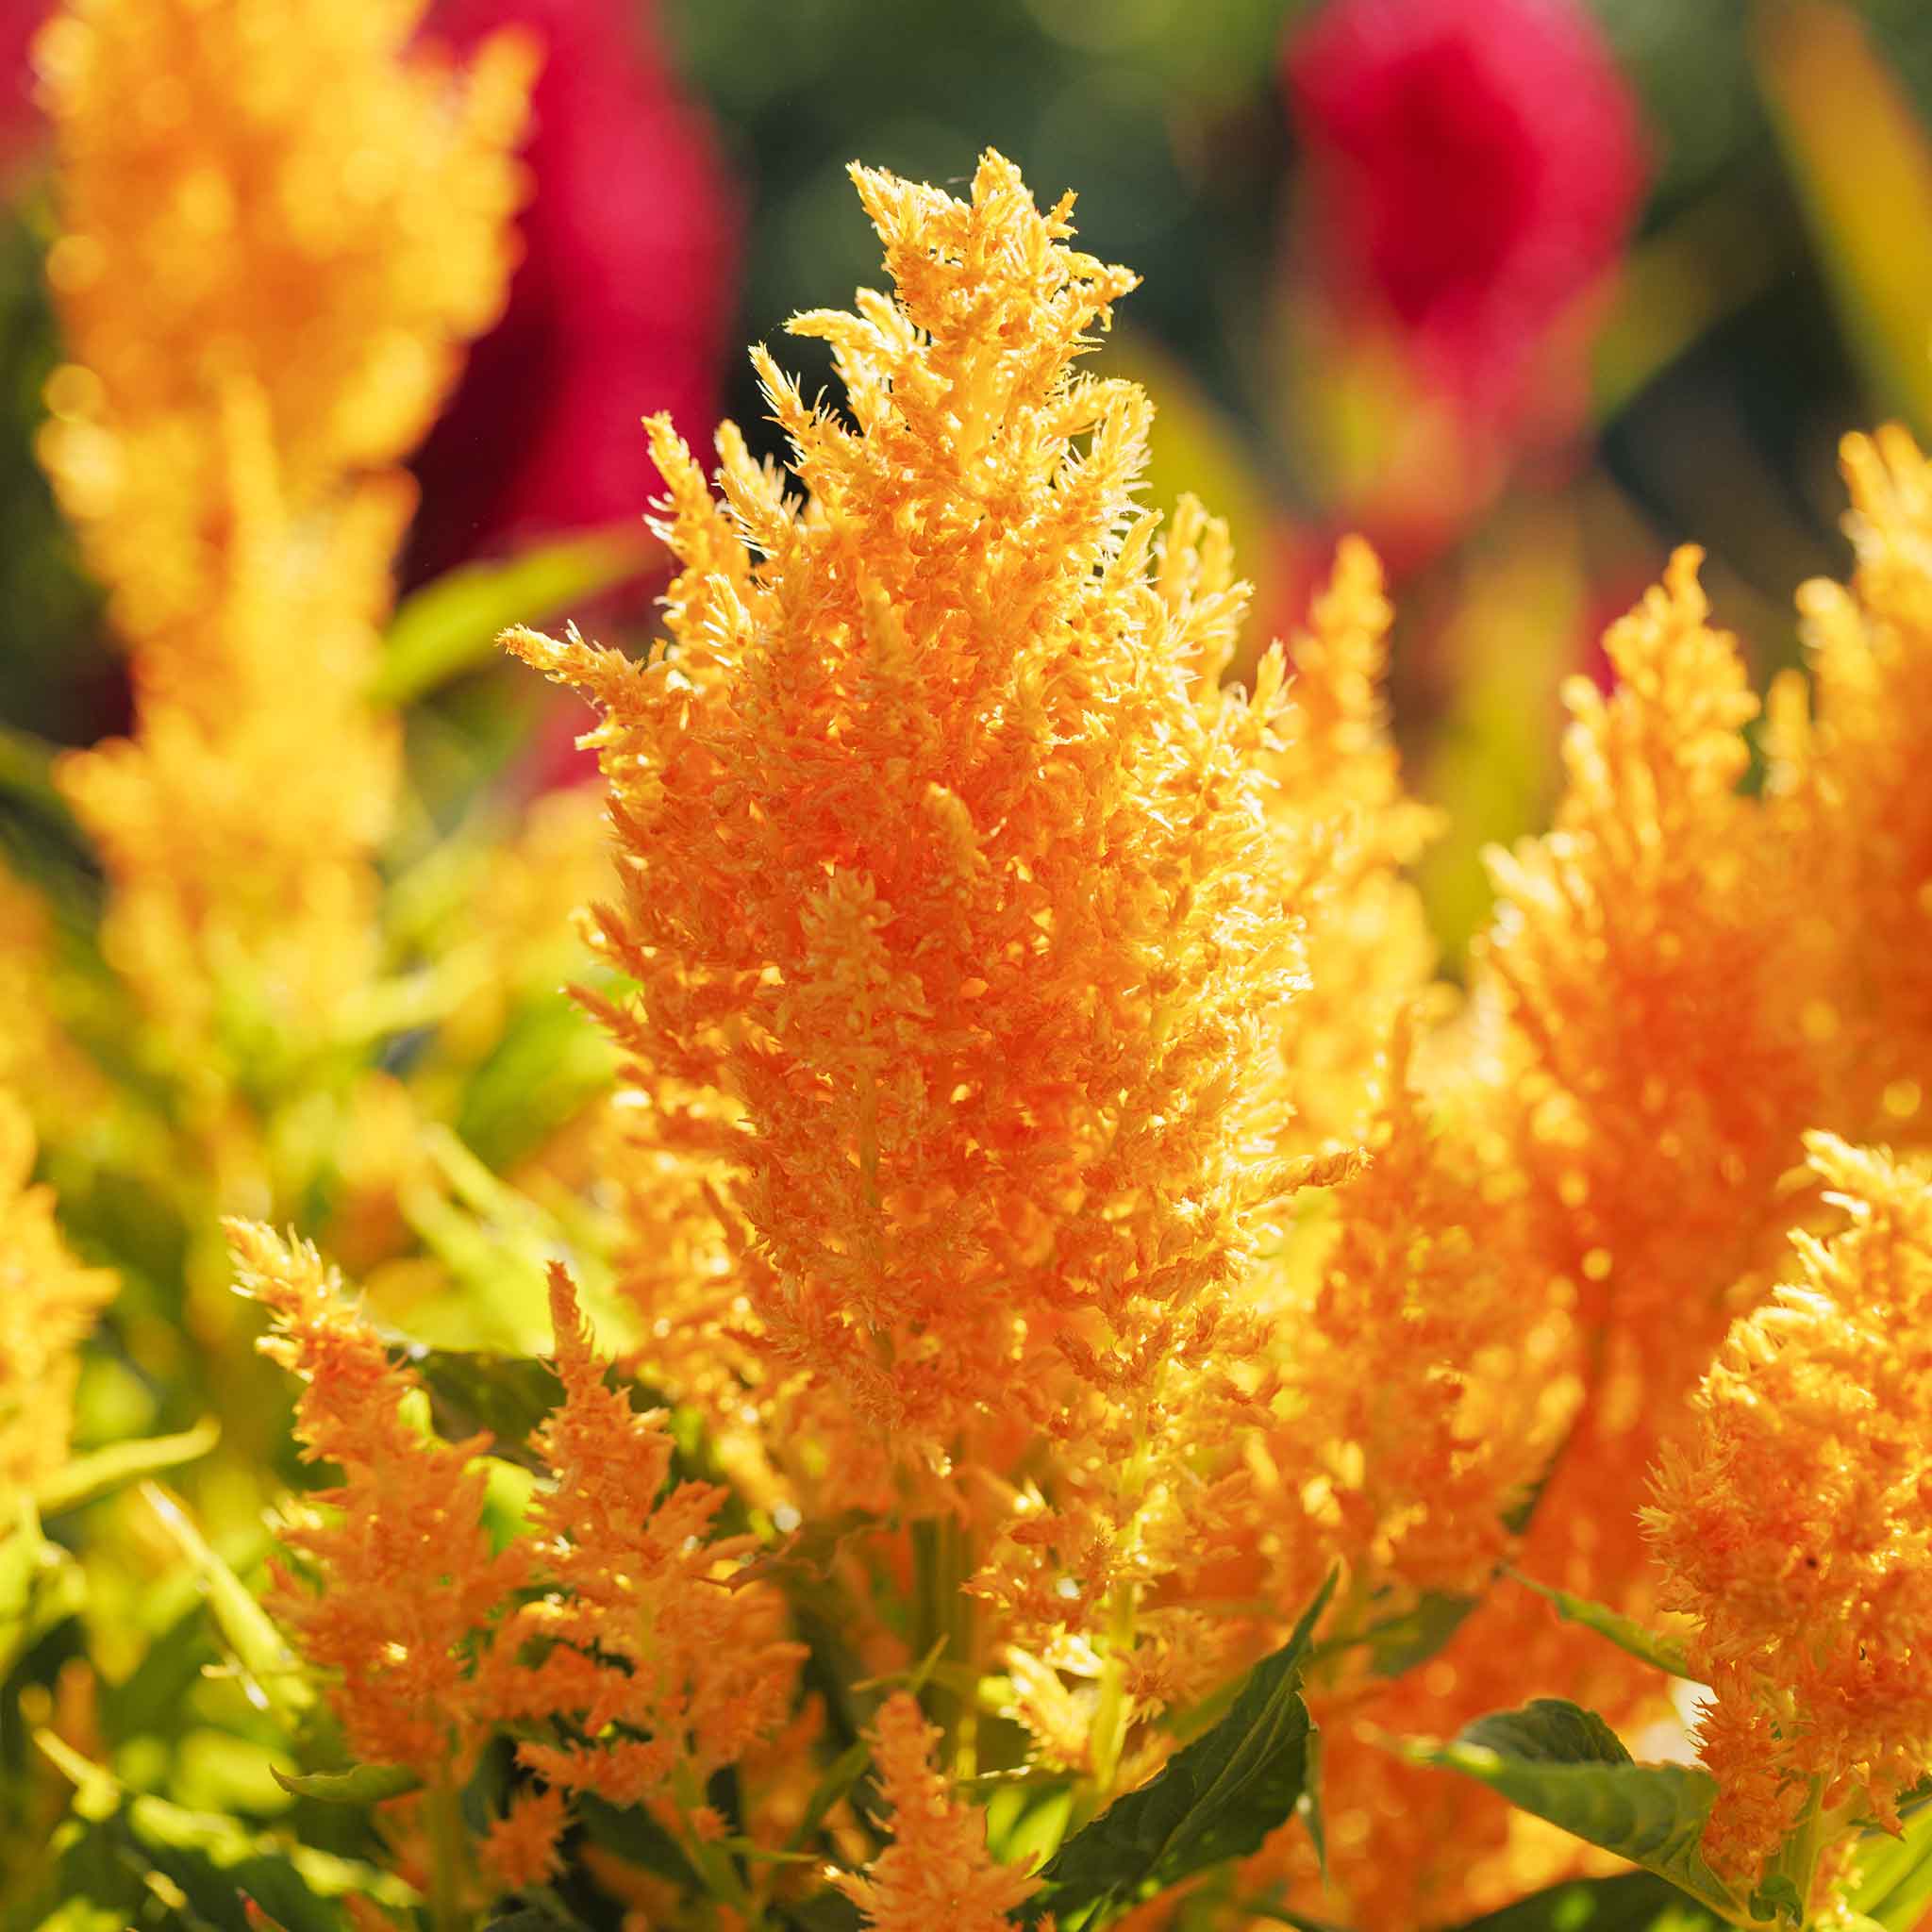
(1847, 765)
(1794, 1525)
(960, 938)
(668, 1669)
(397, 1585)
(936, 1870)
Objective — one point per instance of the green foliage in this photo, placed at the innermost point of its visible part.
(89, 1477)
(122, 1849)
(1217, 1798)
(451, 625)
(364, 1783)
(1647, 1646)
(1566, 1765)
(1895, 1884)
(1632, 1901)
(260, 1648)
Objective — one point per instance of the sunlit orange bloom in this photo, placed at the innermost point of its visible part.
(1596, 1185)
(1793, 1525)
(1846, 780)
(1646, 953)
(317, 215)
(521, 1848)
(666, 1669)
(937, 1871)
(395, 1586)
(48, 1304)
(286, 198)
(1429, 1385)
(1339, 795)
(940, 874)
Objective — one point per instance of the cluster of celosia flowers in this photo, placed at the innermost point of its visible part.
(609, 1632)
(1794, 1525)
(1056, 1215)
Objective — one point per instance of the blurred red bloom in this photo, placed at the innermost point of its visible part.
(20, 120)
(621, 305)
(1476, 164)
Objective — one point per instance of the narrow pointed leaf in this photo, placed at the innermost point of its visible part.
(1217, 1798)
(1895, 1877)
(1629, 1635)
(451, 625)
(1631, 1902)
(259, 1647)
(1564, 1764)
(113, 1467)
(363, 1784)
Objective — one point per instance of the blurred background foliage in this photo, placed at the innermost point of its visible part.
(1703, 235)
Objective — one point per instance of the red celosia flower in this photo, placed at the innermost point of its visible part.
(19, 124)
(1479, 162)
(621, 305)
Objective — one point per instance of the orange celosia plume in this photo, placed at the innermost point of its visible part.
(937, 1871)
(398, 1584)
(1793, 1525)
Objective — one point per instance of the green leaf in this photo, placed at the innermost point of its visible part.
(260, 1648)
(1778, 1898)
(88, 1478)
(1646, 1645)
(40, 1584)
(1564, 1764)
(212, 1860)
(1217, 1798)
(507, 1395)
(362, 1784)
(1632, 1901)
(452, 624)
(1403, 1642)
(1895, 1876)
(632, 1833)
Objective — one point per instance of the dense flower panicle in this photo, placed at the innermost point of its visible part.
(1847, 785)
(1594, 1171)
(309, 209)
(1793, 1525)
(317, 216)
(235, 923)
(620, 302)
(954, 921)
(48, 1305)
(1410, 1469)
(398, 1586)
(1644, 952)
(937, 1871)
(1338, 790)
(667, 1669)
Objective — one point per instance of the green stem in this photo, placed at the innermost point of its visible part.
(943, 1616)
(712, 1861)
(443, 1815)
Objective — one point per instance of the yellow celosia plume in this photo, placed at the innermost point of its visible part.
(48, 1303)
(279, 198)
(940, 874)
(281, 221)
